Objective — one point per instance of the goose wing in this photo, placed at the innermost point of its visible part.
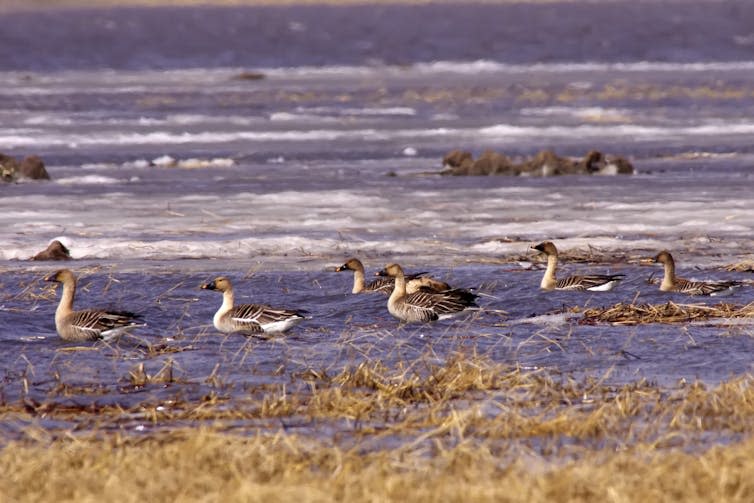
(382, 285)
(94, 323)
(254, 316)
(703, 288)
(580, 283)
(421, 305)
(438, 304)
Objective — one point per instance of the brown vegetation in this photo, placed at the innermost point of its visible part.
(746, 266)
(466, 429)
(634, 314)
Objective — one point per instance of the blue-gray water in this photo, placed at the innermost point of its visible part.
(289, 178)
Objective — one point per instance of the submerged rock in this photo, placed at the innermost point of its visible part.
(55, 251)
(8, 168)
(548, 163)
(455, 158)
(595, 162)
(249, 75)
(492, 163)
(544, 163)
(33, 168)
(30, 168)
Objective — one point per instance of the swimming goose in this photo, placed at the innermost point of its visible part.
(672, 283)
(592, 282)
(88, 325)
(249, 318)
(384, 285)
(423, 306)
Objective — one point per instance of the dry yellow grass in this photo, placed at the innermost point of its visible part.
(745, 266)
(193, 465)
(670, 312)
(467, 429)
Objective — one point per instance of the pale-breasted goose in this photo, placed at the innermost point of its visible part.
(672, 283)
(423, 306)
(384, 285)
(249, 318)
(88, 325)
(592, 282)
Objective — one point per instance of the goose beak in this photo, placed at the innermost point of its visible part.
(208, 286)
(381, 272)
(341, 268)
(51, 277)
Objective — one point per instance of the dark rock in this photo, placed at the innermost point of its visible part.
(593, 162)
(249, 76)
(617, 165)
(492, 163)
(465, 168)
(33, 168)
(8, 168)
(55, 251)
(455, 158)
(548, 163)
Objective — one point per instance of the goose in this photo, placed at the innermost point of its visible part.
(423, 306)
(384, 285)
(90, 324)
(249, 318)
(672, 283)
(592, 282)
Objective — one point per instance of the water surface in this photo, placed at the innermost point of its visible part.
(334, 153)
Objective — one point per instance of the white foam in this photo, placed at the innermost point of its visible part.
(88, 180)
(592, 113)
(112, 81)
(498, 132)
(293, 117)
(487, 66)
(365, 111)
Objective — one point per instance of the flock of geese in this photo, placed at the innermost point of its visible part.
(412, 298)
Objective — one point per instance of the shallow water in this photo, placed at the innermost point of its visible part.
(334, 154)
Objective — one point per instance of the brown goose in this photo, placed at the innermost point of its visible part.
(592, 282)
(423, 306)
(672, 283)
(249, 318)
(88, 325)
(384, 285)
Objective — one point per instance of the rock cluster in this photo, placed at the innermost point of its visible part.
(30, 168)
(545, 163)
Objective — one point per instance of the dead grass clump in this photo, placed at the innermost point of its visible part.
(633, 314)
(429, 383)
(747, 266)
